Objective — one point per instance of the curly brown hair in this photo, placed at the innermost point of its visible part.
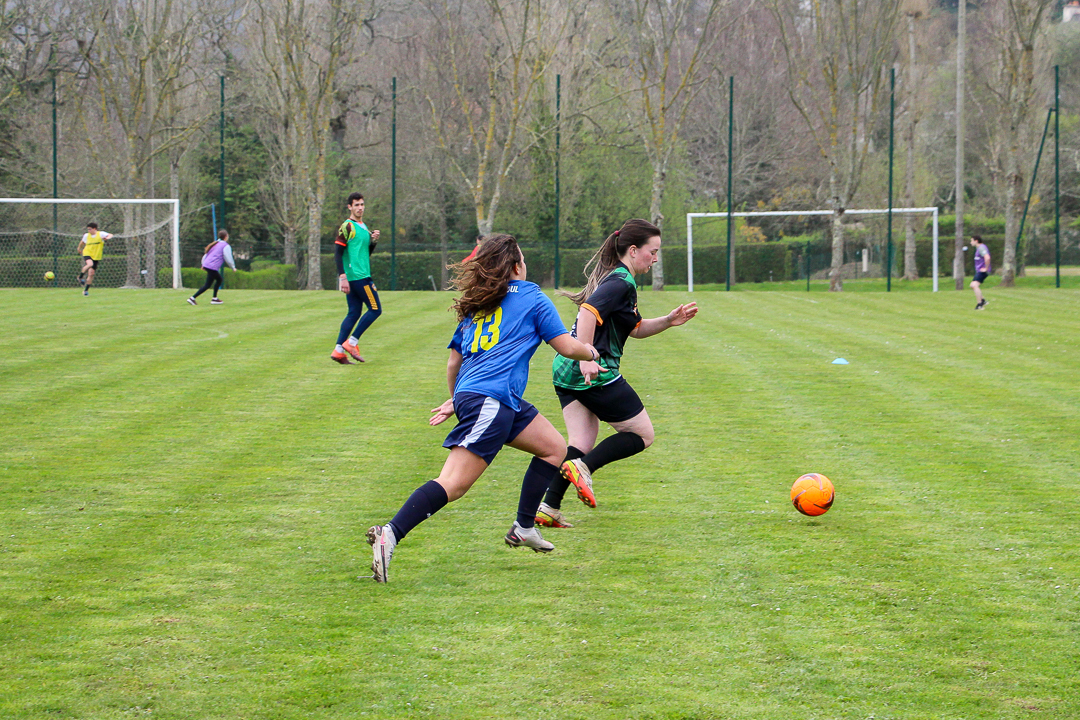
(484, 281)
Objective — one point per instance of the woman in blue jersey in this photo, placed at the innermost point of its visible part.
(591, 392)
(502, 320)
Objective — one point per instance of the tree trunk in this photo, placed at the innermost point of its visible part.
(290, 245)
(132, 247)
(444, 233)
(911, 270)
(313, 280)
(1014, 206)
(174, 192)
(961, 44)
(150, 248)
(149, 269)
(316, 198)
(483, 224)
(290, 230)
(656, 218)
(836, 280)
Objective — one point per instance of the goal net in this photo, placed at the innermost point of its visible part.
(870, 255)
(42, 235)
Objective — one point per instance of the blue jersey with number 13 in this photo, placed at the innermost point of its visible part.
(496, 348)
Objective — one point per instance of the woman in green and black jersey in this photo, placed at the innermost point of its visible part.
(591, 392)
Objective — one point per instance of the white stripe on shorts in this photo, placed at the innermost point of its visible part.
(483, 421)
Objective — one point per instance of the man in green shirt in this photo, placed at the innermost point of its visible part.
(352, 255)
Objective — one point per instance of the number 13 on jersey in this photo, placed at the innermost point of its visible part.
(486, 334)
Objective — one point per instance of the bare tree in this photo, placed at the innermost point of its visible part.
(303, 46)
(662, 51)
(1017, 28)
(28, 42)
(136, 61)
(838, 52)
(912, 111)
(487, 61)
(765, 138)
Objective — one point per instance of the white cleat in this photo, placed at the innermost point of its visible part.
(382, 541)
(527, 537)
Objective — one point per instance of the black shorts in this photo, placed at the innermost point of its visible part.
(981, 277)
(612, 403)
(87, 257)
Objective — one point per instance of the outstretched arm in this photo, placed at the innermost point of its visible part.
(654, 326)
(444, 411)
(569, 346)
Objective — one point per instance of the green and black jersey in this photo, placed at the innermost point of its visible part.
(614, 303)
(356, 239)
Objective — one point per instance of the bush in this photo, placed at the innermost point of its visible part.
(275, 277)
(973, 225)
(30, 271)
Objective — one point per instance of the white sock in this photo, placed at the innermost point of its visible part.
(352, 341)
(338, 348)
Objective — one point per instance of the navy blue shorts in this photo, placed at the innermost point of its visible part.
(980, 277)
(485, 424)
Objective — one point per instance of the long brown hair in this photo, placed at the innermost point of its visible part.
(484, 281)
(633, 233)
(222, 236)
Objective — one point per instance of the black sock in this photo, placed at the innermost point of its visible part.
(614, 447)
(558, 485)
(537, 479)
(425, 501)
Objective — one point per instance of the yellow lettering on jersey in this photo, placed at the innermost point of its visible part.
(491, 338)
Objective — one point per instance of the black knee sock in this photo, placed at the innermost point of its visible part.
(558, 485)
(425, 501)
(614, 447)
(537, 479)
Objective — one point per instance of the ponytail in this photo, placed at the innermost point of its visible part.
(222, 236)
(633, 233)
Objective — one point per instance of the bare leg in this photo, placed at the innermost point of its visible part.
(540, 438)
(461, 469)
(581, 426)
(640, 425)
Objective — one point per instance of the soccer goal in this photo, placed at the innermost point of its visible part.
(933, 211)
(39, 235)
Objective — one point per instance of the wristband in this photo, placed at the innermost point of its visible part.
(596, 353)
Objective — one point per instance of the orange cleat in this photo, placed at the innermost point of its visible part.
(340, 357)
(352, 350)
(551, 517)
(577, 473)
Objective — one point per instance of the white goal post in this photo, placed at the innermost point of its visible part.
(31, 223)
(791, 213)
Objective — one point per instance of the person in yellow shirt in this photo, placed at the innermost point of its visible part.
(91, 247)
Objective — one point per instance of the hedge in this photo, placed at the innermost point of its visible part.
(754, 262)
(30, 271)
(275, 277)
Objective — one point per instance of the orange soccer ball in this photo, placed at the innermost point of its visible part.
(812, 494)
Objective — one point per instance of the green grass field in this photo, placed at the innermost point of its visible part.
(185, 492)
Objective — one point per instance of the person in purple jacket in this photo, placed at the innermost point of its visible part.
(216, 255)
(982, 269)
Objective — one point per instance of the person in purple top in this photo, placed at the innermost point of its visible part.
(216, 255)
(982, 269)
